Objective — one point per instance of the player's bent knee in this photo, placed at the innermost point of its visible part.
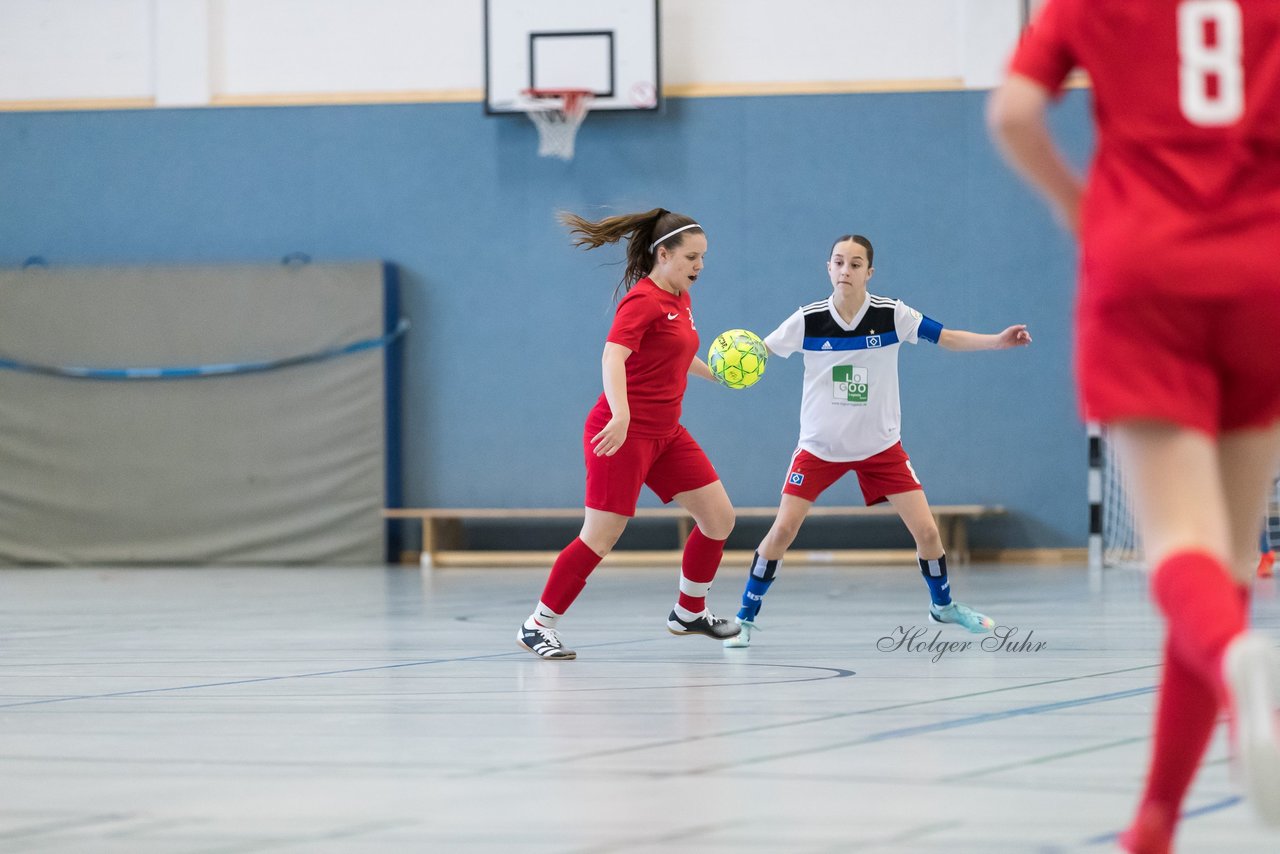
(598, 543)
(783, 533)
(929, 542)
(601, 538)
(718, 527)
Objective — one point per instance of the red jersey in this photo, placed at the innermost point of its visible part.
(1183, 194)
(657, 327)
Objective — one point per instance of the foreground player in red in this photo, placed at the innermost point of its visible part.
(1179, 300)
(633, 436)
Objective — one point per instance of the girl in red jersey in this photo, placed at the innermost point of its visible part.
(1179, 299)
(633, 436)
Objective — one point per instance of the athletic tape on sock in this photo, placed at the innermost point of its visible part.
(696, 589)
(763, 568)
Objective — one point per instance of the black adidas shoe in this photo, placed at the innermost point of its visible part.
(705, 623)
(543, 642)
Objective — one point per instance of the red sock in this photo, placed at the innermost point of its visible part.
(697, 569)
(1204, 610)
(569, 575)
(1186, 712)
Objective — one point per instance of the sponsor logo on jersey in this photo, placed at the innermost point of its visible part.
(673, 316)
(795, 478)
(826, 345)
(849, 384)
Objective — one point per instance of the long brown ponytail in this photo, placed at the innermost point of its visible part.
(640, 230)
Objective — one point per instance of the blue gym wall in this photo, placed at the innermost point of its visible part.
(509, 320)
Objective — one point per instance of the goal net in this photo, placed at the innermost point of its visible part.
(1113, 530)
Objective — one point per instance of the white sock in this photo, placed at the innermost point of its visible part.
(543, 616)
(687, 615)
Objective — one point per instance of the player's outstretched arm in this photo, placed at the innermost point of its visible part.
(1016, 118)
(957, 339)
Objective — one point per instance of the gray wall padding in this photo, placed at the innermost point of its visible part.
(283, 466)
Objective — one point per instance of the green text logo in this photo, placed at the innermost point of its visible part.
(849, 383)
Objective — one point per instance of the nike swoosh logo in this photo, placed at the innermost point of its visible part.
(673, 316)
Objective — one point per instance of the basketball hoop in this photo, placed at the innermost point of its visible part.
(557, 114)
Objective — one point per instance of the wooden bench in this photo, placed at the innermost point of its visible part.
(442, 534)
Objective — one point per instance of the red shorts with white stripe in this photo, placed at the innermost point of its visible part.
(1208, 363)
(879, 476)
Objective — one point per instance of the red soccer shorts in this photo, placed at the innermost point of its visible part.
(1203, 362)
(886, 473)
(667, 466)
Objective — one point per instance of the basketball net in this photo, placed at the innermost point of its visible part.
(557, 114)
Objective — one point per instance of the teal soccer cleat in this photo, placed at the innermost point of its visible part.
(962, 615)
(742, 638)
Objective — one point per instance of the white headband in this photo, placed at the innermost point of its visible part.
(671, 233)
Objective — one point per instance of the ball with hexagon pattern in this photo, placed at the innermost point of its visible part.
(737, 358)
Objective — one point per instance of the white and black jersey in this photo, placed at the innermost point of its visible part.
(850, 409)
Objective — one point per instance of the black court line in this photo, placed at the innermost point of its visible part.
(829, 673)
(139, 692)
(908, 835)
(258, 679)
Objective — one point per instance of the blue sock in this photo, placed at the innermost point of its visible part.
(762, 574)
(935, 575)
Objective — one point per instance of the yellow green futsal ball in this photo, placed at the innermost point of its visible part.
(737, 358)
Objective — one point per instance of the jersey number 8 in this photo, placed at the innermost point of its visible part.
(1210, 76)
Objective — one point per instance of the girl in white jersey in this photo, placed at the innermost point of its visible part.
(849, 421)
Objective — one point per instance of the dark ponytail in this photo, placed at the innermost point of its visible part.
(640, 231)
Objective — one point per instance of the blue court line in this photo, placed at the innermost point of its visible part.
(988, 717)
(940, 726)
(1223, 804)
(813, 720)
(186, 372)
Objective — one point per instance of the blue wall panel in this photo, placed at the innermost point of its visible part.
(509, 319)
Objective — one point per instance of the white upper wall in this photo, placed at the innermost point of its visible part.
(764, 41)
(75, 49)
(192, 52)
(347, 46)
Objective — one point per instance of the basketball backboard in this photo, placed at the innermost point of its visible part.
(608, 47)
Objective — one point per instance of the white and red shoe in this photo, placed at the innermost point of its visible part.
(1252, 670)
